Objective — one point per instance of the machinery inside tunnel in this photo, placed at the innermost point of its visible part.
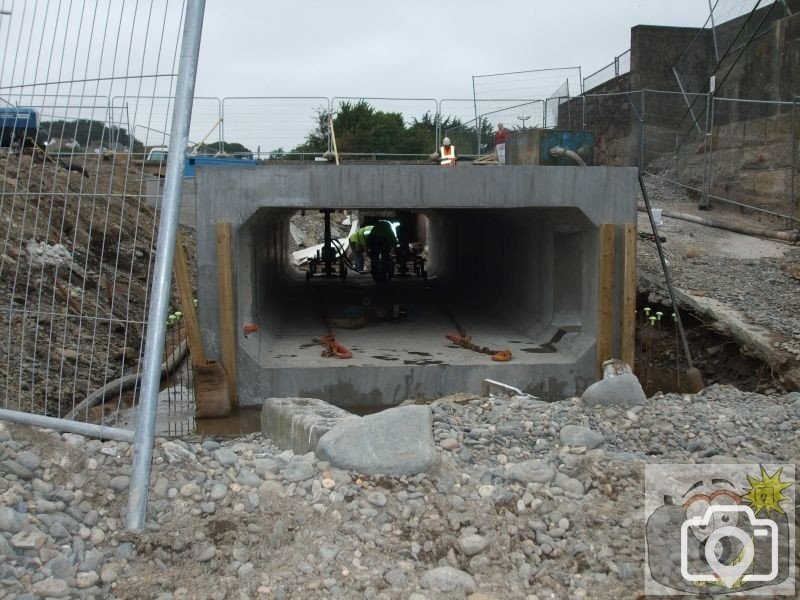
(511, 261)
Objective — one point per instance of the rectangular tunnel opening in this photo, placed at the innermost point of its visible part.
(510, 279)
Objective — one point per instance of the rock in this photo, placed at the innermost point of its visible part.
(576, 435)
(109, 573)
(572, 487)
(448, 579)
(328, 552)
(531, 471)
(376, 498)
(28, 540)
(298, 469)
(120, 483)
(472, 544)
(86, 580)
(449, 444)
(262, 466)
(176, 453)
(29, 460)
(189, 490)
(248, 478)
(396, 441)
(51, 588)
(395, 578)
(10, 520)
(225, 457)
(207, 553)
(218, 491)
(622, 390)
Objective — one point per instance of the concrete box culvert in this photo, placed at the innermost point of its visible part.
(513, 261)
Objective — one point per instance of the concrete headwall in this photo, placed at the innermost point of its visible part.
(513, 257)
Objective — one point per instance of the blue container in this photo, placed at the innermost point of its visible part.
(532, 146)
(192, 162)
(16, 124)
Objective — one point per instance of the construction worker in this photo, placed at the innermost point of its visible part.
(447, 153)
(358, 246)
(381, 242)
(500, 137)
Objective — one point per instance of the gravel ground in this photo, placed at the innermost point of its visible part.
(521, 506)
(757, 277)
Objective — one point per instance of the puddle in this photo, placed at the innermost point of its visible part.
(415, 353)
(244, 420)
(389, 358)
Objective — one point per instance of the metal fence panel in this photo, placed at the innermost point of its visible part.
(470, 138)
(77, 227)
(272, 127)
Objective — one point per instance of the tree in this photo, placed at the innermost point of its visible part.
(360, 128)
(233, 148)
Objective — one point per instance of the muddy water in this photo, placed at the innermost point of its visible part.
(243, 420)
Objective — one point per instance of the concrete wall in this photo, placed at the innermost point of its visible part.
(513, 256)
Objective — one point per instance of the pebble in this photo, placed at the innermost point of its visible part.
(51, 588)
(29, 460)
(522, 505)
(449, 444)
(10, 520)
(225, 457)
(472, 544)
(576, 435)
(298, 469)
(206, 554)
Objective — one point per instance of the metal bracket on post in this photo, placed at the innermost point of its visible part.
(162, 278)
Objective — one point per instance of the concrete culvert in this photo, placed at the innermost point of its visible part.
(512, 263)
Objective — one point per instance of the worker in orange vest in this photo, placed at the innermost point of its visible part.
(447, 153)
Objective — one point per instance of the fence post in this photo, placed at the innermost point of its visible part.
(642, 125)
(165, 250)
(793, 197)
(705, 201)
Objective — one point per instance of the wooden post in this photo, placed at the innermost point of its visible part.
(605, 301)
(629, 294)
(181, 270)
(227, 314)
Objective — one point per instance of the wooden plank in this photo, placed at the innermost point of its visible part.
(629, 294)
(605, 300)
(181, 271)
(227, 314)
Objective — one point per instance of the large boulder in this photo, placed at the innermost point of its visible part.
(396, 441)
(621, 390)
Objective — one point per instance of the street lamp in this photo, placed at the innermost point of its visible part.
(523, 119)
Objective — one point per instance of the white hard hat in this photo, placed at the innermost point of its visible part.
(446, 141)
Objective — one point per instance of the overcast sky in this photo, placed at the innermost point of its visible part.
(66, 58)
(412, 48)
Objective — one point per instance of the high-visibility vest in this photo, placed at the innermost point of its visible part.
(448, 155)
(358, 240)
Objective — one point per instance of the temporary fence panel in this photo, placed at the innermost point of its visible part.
(278, 127)
(471, 136)
(77, 230)
(409, 132)
(150, 119)
(619, 66)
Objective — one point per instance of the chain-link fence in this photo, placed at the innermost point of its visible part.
(731, 151)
